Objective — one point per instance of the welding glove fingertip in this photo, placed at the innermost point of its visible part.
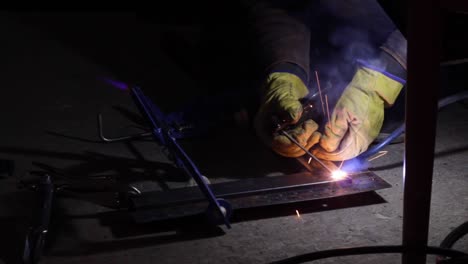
(305, 134)
(329, 144)
(315, 138)
(331, 139)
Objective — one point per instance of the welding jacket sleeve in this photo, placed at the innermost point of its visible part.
(281, 37)
(281, 32)
(396, 47)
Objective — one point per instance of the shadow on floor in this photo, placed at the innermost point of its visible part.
(195, 227)
(21, 207)
(12, 239)
(100, 178)
(130, 235)
(93, 163)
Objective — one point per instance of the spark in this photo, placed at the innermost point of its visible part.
(310, 159)
(328, 109)
(339, 175)
(320, 91)
(308, 106)
(298, 214)
(381, 153)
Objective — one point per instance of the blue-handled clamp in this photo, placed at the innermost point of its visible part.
(167, 136)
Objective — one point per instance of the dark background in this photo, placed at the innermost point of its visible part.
(177, 53)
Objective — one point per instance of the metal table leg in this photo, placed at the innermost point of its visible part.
(421, 116)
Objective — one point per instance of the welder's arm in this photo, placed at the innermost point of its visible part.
(282, 43)
(280, 37)
(359, 113)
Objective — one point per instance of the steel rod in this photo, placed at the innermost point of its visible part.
(304, 149)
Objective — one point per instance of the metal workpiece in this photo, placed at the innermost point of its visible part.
(220, 199)
(252, 193)
(313, 180)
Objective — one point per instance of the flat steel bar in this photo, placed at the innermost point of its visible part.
(228, 189)
(363, 182)
(249, 187)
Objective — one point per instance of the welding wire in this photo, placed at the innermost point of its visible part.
(381, 153)
(304, 149)
(341, 165)
(320, 91)
(328, 109)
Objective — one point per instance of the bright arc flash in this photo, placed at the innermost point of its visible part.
(339, 175)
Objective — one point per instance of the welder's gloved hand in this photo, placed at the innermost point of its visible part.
(280, 103)
(305, 133)
(358, 115)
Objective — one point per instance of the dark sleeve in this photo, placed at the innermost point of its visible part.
(281, 38)
(396, 46)
(393, 54)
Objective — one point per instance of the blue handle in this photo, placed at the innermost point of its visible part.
(163, 133)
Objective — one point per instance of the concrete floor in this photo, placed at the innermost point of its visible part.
(51, 95)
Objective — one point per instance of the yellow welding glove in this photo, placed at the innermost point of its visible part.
(358, 115)
(280, 103)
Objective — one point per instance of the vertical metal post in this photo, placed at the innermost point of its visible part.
(421, 116)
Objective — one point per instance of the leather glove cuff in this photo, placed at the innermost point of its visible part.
(282, 93)
(385, 84)
(291, 68)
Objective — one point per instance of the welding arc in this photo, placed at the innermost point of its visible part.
(304, 149)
